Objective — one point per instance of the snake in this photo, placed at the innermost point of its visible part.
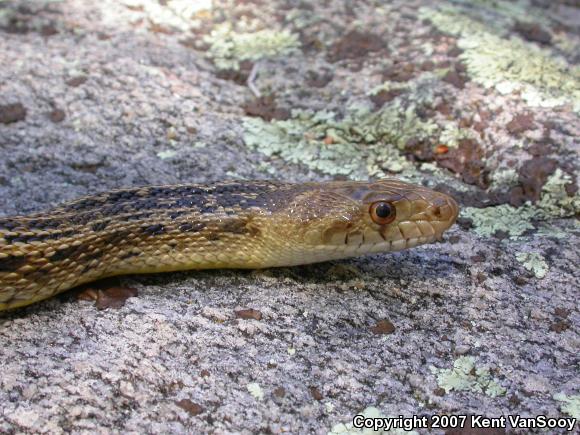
(228, 224)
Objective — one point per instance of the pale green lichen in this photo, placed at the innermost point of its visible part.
(370, 412)
(533, 262)
(514, 65)
(504, 178)
(255, 390)
(166, 154)
(511, 220)
(288, 140)
(509, 65)
(554, 203)
(363, 143)
(228, 48)
(452, 21)
(175, 14)
(555, 200)
(571, 405)
(452, 134)
(565, 43)
(465, 376)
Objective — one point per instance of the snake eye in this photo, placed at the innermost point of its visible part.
(383, 213)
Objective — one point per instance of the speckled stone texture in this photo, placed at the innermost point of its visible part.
(98, 95)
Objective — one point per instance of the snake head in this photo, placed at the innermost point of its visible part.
(344, 219)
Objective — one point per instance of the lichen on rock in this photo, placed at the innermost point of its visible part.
(570, 404)
(361, 144)
(465, 376)
(534, 262)
(555, 202)
(505, 218)
(509, 64)
(228, 48)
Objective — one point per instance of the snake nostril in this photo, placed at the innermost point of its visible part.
(441, 212)
(437, 212)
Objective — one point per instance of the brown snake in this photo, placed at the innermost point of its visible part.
(236, 224)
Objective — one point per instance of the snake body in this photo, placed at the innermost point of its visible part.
(235, 224)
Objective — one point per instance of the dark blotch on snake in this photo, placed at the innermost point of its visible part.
(99, 226)
(153, 230)
(12, 262)
(235, 226)
(191, 227)
(63, 254)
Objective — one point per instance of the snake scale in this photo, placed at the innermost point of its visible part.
(233, 224)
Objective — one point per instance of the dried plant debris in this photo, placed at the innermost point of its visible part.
(533, 175)
(533, 32)
(468, 161)
(383, 327)
(10, 113)
(356, 44)
(114, 297)
(248, 313)
(265, 107)
(190, 407)
(465, 376)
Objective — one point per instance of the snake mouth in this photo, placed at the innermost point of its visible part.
(426, 223)
(399, 245)
(404, 235)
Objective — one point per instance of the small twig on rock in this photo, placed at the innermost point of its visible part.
(251, 78)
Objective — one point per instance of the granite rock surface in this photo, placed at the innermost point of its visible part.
(479, 99)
